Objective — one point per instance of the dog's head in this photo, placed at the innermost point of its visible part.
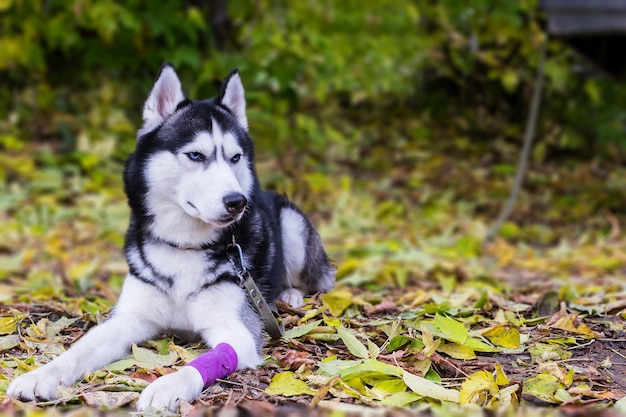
(194, 159)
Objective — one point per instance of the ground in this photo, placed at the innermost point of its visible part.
(426, 317)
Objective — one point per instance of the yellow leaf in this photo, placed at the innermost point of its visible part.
(348, 267)
(357, 385)
(415, 298)
(478, 388)
(310, 314)
(570, 323)
(456, 351)
(183, 353)
(22, 364)
(8, 325)
(504, 335)
(332, 321)
(287, 385)
(501, 378)
(81, 270)
(337, 301)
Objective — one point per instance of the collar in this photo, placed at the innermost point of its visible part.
(200, 248)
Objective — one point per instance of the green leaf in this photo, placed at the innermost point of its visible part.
(387, 387)
(287, 385)
(147, 359)
(369, 368)
(353, 344)
(121, 365)
(299, 331)
(373, 349)
(451, 329)
(401, 399)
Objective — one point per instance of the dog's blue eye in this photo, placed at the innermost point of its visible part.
(235, 158)
(195, 156)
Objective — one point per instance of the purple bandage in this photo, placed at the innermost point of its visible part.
(217, 363)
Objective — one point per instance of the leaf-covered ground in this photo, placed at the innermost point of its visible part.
(424, 318)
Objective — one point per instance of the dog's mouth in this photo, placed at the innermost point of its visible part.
(225, 220)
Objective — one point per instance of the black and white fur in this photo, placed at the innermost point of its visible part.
(191, 185)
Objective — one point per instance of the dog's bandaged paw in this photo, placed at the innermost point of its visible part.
(292, 296)
(219, 362)
(42, 383)
(188, 383)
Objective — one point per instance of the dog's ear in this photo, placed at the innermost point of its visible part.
(232, 96)
(163, 99)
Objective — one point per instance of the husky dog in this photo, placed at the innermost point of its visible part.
(192, 189)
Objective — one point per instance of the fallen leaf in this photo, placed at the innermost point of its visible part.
(337, 301)
(8, 325)
(478, 388)
(109, 399)
(287, 385)
(501, 378)
(570, 323)
(300, 331)
(456, 351)
(543, 387)
(9, 342)
(504, 335)
(147, 359)
(292, 359)
(353, 344)
(426, 388)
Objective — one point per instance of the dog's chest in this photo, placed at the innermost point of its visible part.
(187, 270)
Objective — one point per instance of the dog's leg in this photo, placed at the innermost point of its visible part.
(294, 251)
(102, 345)
(307, 269)
(221, 314)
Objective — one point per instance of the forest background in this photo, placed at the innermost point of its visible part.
(396, 125)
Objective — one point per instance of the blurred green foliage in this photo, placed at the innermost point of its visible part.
(363, 85)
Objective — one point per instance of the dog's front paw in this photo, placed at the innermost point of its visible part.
(42, 383)
(166, 391)
(292, 296)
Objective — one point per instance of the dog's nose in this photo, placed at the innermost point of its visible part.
(235, 203)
